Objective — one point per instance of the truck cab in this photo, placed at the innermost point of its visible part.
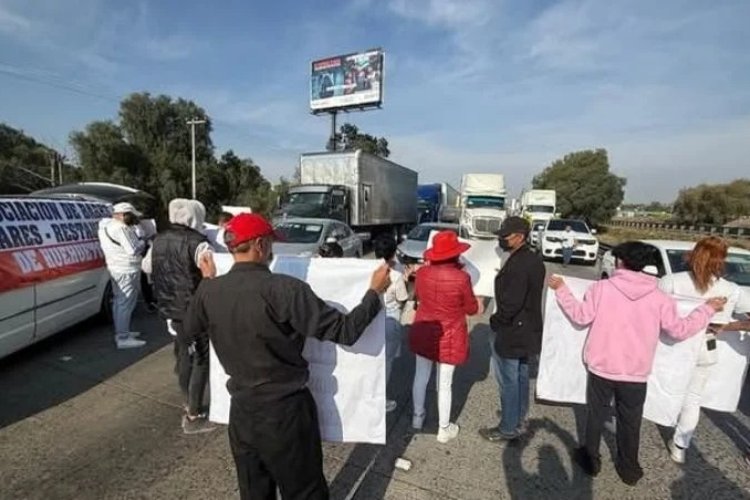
(483, 215)
(317, 201)
(428, 202)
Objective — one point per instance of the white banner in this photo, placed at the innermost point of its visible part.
(562, 374)
(348, 383)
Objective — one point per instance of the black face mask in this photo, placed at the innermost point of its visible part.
(503, 243)
(130, 219)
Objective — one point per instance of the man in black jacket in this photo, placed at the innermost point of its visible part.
(258, 322)
(517, 325)
(179, 259)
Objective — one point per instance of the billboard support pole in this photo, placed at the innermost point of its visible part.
(332, 146)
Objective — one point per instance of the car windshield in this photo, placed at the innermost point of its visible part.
(422, 232)
(560, 225)
(307, 198)
(297, 232)
(737, 268)
(540, 209)
(485, 202)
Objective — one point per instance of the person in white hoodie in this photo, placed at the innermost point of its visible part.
(123, 251)
(706, 263)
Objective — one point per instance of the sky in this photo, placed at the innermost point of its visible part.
(504, 86)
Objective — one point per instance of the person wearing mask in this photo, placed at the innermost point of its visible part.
(704, 279)
(395, 298)
(625, 315)
(517, 325)
(568, 245)
(258, 323)
(123, 251)
(179, 259)
(439, 334)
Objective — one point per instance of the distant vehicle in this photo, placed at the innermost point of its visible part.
(52, 267)
(539, 204)
(411, 250)
(670, 258)
(483, 204)
(537, 228)
(371, 194)
(587, 246)
(437, 203)
(303, 237)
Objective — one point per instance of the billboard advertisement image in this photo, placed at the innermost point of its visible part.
(347, 81)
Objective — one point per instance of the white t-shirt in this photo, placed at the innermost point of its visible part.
(569, 240)
(396, 294)
(122, 247)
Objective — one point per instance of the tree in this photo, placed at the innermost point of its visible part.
(713, 204)
(585, 187)
(350, 138)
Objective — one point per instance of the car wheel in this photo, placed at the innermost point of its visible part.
(105, 310)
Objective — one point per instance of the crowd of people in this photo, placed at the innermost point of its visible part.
(257, 322)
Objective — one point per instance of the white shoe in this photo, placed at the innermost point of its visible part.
(134, 335)
(676, 453)
(417, 422)
(447, 433)
(130, 343)
(390, 405)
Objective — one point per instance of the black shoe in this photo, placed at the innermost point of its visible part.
(495, 435)
(590, 465)
(630, 477)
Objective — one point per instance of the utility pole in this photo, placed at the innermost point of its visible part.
(60, 164)
(193, 123)
(52, 162)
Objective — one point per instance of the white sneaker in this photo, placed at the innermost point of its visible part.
(134, 335)
(130, 343)
(676, 453)
(417, 421)
(447, 433)
(390, 405)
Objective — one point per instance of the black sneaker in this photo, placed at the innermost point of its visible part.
(196, 425)
(495, 435)
(590, 465)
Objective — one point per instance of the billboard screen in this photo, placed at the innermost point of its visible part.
(347, 81)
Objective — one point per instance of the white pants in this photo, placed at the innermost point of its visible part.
(691, 407)
(444, 383)
(125, 287)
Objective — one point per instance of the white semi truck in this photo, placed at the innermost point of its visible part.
(539, 204)
(483, 199)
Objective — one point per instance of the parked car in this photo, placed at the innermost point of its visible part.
(411, 250)
(670, 258)
(587, 246)
(304, 237)
(537, 228)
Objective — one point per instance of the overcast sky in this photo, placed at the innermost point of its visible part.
(470, 85)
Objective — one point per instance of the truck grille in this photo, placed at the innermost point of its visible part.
(488, 225)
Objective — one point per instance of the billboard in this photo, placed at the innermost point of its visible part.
(352, 80)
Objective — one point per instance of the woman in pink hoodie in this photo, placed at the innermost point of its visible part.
(625, 315)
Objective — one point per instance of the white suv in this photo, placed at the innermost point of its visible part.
(586, 245)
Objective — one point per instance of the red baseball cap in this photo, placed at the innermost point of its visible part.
(246, 227)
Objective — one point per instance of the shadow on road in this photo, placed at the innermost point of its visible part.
(67, 364)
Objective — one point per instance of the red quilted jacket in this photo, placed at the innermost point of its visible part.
(445, 298)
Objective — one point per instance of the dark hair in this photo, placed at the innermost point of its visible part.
(331, 250)
(385, 247)
(224, 217)
(634, 255)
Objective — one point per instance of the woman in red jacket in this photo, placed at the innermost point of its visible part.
(439, 333)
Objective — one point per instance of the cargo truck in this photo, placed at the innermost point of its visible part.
(483, 209)
(371, 194)
(437, 203)
(538, 204)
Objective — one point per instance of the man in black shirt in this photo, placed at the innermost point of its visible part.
(518, 327)
(258, 322)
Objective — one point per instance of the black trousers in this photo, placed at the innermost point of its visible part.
(191, 366)
(146, 290)
(629, 398)
(277, 444)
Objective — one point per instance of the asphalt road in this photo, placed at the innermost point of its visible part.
(82, 420)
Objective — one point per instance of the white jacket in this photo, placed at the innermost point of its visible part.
(122, 247)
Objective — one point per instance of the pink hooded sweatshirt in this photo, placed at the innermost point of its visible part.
(626, 313)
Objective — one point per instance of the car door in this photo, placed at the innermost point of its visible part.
(341, 235)
(16, 319)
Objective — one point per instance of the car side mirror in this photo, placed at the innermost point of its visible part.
(593, 231)
(652, 270)
(330, 239)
